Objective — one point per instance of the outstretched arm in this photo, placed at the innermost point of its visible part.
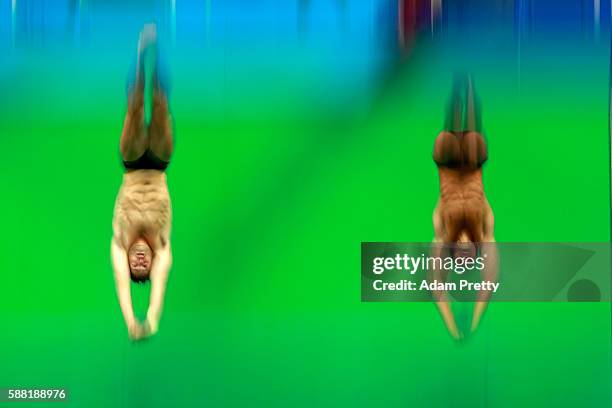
(159, 278)
(441, 296)
(488, 250)
(122, 283)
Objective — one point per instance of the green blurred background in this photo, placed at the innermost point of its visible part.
(297, 139)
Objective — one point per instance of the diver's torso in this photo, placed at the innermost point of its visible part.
(462, 202)
(143, 208)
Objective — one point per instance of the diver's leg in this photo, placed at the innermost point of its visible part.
(454, 111)
(474, 147)
(160, 128)
(447, 150)
(134, 135)
(473, 118)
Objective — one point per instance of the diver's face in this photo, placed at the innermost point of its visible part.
(465, 248)
(140, 258)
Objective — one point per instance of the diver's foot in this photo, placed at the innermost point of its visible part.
(148, 36)
(147, 39)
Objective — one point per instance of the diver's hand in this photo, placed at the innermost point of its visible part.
(136, 331)
(151, 326)
(455, 333)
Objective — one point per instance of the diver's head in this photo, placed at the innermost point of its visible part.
(464, 247)
(140, 258)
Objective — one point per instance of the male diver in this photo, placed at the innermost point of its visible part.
(140, 247)
(463, 219)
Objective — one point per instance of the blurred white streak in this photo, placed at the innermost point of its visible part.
(13, 20)
(596, 16)
(436, 8)
(400, 26)
(173, 20)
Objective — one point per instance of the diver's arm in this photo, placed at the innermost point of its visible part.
(122, 283)
(441, 296)
(159, 278)
(488, 250)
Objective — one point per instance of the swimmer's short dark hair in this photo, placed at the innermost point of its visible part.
(139, 279)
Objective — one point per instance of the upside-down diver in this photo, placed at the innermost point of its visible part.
(140, 247)
(463, 218)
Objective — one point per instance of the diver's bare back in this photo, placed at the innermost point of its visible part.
(143, 209)
(462, 202)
